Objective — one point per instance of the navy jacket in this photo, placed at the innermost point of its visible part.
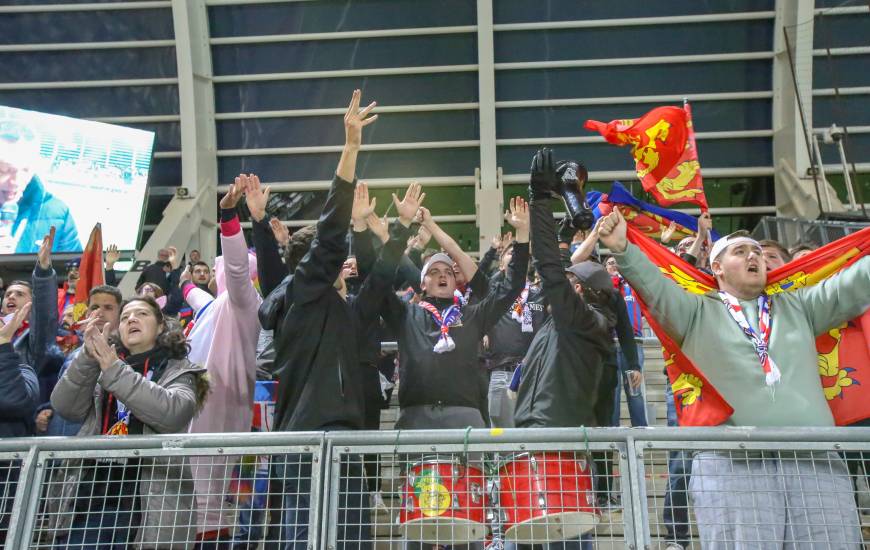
(19, 394)
(40, 210)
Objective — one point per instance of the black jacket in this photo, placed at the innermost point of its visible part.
(508, 343)
(317, 332)
(561, 371)
(19, 394)
(453, 378)
(155, 273)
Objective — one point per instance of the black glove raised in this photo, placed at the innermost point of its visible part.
(543, 179)
(571, 184)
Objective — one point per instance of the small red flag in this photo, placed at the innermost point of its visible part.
(91, 272)
(663, 146)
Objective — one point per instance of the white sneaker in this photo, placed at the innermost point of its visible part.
(376, 502)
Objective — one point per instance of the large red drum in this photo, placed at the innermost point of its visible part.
(443, 502)
(546, 497)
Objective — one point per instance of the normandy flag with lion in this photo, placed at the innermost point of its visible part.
(663, 146)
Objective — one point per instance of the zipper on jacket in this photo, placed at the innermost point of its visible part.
(340, 377)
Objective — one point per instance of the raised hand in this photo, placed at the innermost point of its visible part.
(423, 237)
(410, 204)
(44, 254)
(7, 333)
(543, 179)
(280, 231)
(233, 196)
(378, 226)
(355, 119)
(174, 258)
(705, 224)
(256, 196)
(363, 207)
(668, 233)
(612, 231)
(518, 214)
(426, 220)
(112, 256)
(186, 276)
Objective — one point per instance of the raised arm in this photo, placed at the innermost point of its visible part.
(270, 269)
(499, 299)
(43, 318)
(237, 267)
(378, 284)
(670, 305)
(838, 299)
(705, 223)
(587, 247)
(318, 270)
(361, 244)
(465, 262)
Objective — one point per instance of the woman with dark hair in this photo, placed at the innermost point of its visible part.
(139, 382)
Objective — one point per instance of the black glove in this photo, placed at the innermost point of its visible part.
(543, 179)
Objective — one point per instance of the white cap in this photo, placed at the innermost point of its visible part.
(723, 243)
(439, 257)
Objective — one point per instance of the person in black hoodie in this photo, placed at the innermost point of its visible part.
(442, 385)
(19, 396)
(316, 333)
(562, 369)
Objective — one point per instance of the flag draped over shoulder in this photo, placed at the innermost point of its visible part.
(650, 219)
(843, 352)
(91, 272)
(663, 146)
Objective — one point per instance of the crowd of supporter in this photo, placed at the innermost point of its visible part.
(550, 336)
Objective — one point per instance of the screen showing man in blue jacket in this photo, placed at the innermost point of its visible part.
(68, 173)
(27, 209)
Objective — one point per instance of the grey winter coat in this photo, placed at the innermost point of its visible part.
(168, 405)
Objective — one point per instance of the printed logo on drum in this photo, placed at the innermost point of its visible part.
(433, 496)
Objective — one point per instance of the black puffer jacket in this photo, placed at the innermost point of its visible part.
(562, 369)
(19, 394)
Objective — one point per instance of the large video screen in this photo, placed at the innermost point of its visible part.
(71, 174)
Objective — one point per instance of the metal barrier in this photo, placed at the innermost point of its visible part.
(572, 487)
(791, 231)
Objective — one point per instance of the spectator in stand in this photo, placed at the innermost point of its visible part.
(223, 338)
(801, 249)
(150, 290)
(194, 257)
(489, 262)
(66, 294)
(112, 257)
(317, 329)
(142, 383)
(104, 305)
(35, 340)
(442, 385)
(508, 341)
(630, 373)
(19, 395)
(157, 272)
(753, 347)
(775, 255)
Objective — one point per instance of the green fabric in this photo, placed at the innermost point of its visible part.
(711, 338)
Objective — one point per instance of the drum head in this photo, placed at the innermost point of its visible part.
(443, 530)
(552, 527)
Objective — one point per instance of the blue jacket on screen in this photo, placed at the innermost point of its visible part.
(39, 209)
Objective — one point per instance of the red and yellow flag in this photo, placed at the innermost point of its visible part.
(91, 272)
(663, 146)
(843, 352)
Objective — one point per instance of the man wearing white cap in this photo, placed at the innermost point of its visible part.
(442, 384)
(758, 351)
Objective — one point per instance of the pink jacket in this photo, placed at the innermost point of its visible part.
(224, 340)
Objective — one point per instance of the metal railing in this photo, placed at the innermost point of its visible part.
(791, 231)
(607, 487)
